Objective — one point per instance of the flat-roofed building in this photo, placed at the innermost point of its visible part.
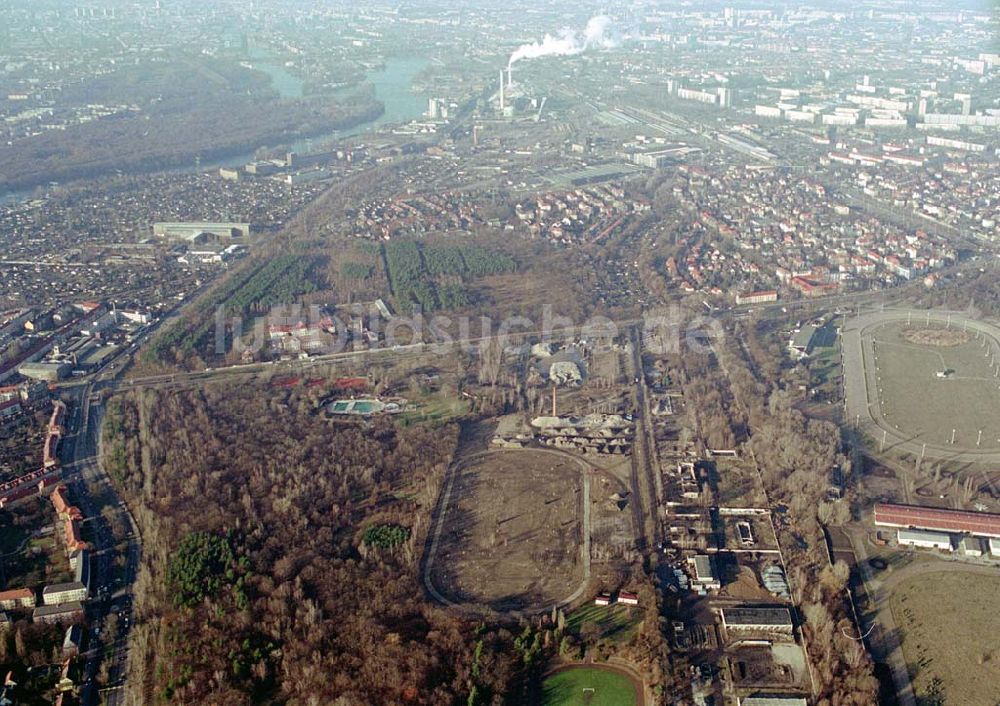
(773, 700)
(971, 546)
(757, 619)
(64, 613)
(71, 641)
(924, 539)
(201, 231)
(59, 593)
(802, 340)
(50, 371)
(705, 575)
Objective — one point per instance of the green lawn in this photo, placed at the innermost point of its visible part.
(434, 409)
(570, 687)
(924, 406)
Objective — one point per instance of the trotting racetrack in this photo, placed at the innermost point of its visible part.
(924, 382)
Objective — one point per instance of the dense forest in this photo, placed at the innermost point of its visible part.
(180, 110)
(280, 558)
(431, 276)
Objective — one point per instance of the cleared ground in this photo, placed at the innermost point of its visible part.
(949, 625)
(589, 686)
(509, 534)
(931, 380)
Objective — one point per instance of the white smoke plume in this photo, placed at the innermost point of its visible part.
(569, 42)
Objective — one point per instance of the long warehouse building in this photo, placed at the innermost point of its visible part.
(981, 524)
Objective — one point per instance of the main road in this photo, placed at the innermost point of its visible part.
(93, 492)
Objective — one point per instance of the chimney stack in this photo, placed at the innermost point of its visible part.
(501, 91)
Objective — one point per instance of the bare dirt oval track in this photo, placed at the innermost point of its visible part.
(511, 532)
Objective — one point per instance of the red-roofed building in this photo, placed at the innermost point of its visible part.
(63, 508)
(761, 297)
(73, 541)
(10, 408)
(813, 288)
(628, 598)
(603, 599)
(17, 598)
(937, 519)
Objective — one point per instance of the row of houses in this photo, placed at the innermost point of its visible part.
(45, 477)
(622, 597)
(38, 480)
(60, 602)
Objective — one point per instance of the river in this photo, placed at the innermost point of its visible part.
(392, 84)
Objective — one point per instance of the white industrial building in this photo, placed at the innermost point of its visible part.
(773, 700)
(201, 231)
(705, 575)
(924, 539)
(971, 546)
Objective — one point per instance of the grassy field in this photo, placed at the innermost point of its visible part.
(434, 409)
(922, 405)
(42, 561)
(949, 627)
(571, 687)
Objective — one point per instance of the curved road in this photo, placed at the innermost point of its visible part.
(861, 404)
(884, 638)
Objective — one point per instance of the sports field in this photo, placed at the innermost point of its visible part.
(930, 380)
(589, 686)
(949, 625)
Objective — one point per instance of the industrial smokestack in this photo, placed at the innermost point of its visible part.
(501, 91)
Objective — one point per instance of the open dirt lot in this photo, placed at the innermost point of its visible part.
(510, 533)
(945, 337)
(949, 625)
